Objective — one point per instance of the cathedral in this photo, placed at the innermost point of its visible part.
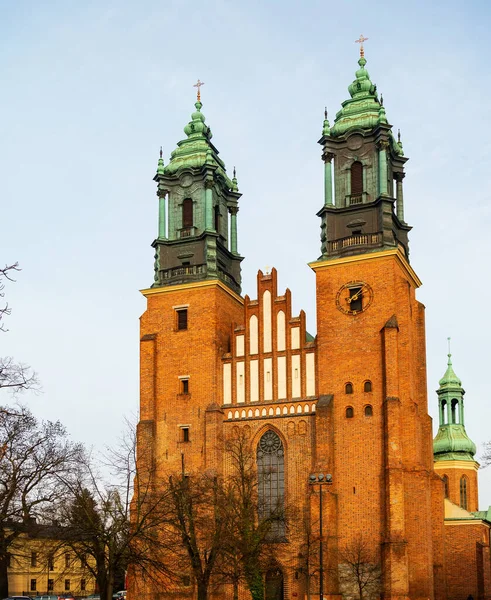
(340, 418)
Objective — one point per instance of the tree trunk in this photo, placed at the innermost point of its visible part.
(4, 581)
(202, 590)
(236, 590)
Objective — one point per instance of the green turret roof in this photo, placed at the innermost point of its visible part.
(450, 379)
(451, 441)
(363, 110)
(196, 150)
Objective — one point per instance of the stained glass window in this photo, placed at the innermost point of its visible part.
(271, 481)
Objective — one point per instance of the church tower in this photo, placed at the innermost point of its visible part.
(191, 305)
(371, 365)
(453, 450)
(364, 210)
(198, 206)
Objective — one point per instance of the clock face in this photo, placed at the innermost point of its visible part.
(354, 297)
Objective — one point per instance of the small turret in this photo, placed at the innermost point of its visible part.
(451, 441)
(453, 450)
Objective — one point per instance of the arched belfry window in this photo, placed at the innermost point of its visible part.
(356, 182)
(271, 481)
(187, 213)
(463, 492)
(455, 405)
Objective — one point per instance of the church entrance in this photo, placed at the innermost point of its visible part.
(274, 584)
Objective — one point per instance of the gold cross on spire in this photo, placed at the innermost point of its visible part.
(360, 41)
(198, 84)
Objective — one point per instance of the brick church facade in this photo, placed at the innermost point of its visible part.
(344, 413)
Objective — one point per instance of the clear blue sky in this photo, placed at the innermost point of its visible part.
(90, 90)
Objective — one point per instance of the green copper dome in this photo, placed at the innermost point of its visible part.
(363, 110)
(451, 441)
(197, 151)
(450, 379)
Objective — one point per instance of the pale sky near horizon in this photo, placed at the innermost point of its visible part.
(91, 90)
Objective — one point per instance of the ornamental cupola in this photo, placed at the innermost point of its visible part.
(451, 441)
(198, 206)
(364, 168)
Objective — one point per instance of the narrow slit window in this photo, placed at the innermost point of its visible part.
(185, 434)
(445, 485)
(217, 218)
(184, 386)
(356, 181)
(463, 492)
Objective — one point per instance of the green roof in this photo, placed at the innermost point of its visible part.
(452, 443)
(196, 150)
(363, 110)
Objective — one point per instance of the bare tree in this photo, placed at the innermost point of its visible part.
(197, 524)
(252, 528)
(99, 527)
(359, 568)
(14, 376)
(34, 457)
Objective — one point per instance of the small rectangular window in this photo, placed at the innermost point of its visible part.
(185, 434)
(33, 585)
(34, 559)
(357, 303)
(185, 386)
(182, 319)
(82, 585)
(51, 585)
(67, 585)
(67, 559)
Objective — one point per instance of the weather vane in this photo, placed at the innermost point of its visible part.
(360, 41)
(198, 84)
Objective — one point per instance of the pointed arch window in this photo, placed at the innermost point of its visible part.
(356, 183)
(445, 485)
(270, 457)
(463, 492)
(187, 213)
